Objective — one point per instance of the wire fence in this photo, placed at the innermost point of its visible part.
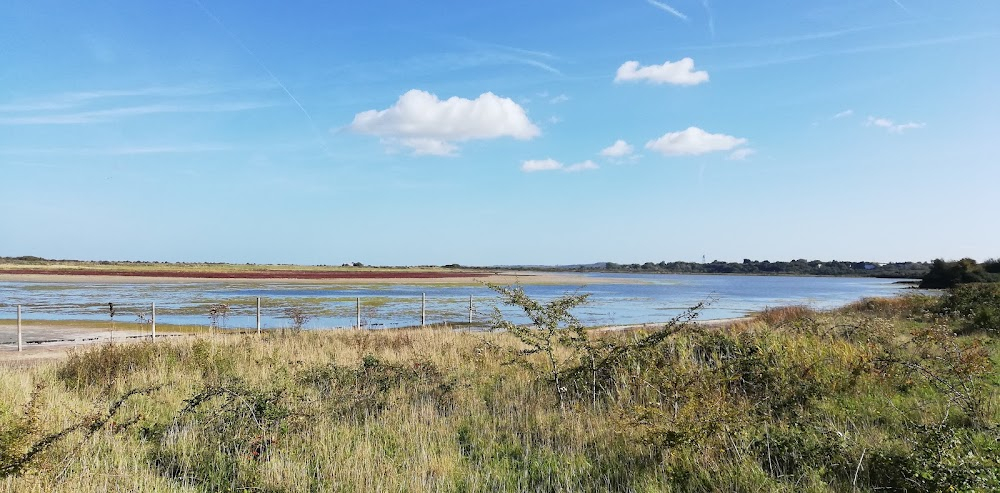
(53, 322)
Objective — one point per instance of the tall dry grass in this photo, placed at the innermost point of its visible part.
(847, 401)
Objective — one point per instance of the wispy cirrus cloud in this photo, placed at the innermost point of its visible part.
(711, 18)
(741, 154)
(891, 126)
(901, 6)
(864, 49)
(79, 99)
(118, 150)
(112, 114)
(668, 9)
(536, 165)
(482, 53)
(842, 114)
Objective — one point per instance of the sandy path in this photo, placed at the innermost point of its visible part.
(52, 342)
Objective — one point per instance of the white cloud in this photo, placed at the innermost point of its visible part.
(680, 73)
(666, 8)
(562, 98)
(891, 125)
(430, 147)
(533, 165)
(693, 141)
(586, 165)
(843, 114)
(741, 154)
(428, 125)
(617, 150)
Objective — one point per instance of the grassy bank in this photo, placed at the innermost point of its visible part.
(882, 395)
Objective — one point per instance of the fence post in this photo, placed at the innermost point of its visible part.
(359, 313)
(470, 309)
(258, 315)
(153, 324)
(423, 309)
(19, 344)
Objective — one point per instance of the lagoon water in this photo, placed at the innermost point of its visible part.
(627, 299)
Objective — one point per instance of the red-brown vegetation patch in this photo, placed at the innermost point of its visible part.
(250, 274)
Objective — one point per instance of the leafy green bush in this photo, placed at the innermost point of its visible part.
(977, 305)
(950, 274)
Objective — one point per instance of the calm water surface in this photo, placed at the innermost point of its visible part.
(632, 298)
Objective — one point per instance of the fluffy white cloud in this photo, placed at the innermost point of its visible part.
(680, 73)
(619, 149)
(891, 125)
(550, 164)
(428, 125)
(692, 142)
(741, 154)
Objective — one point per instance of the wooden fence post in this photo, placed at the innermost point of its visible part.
(359, 313)
(470, 309)
(19, 343)
(153, 324)
(258, 315)
(423, 309)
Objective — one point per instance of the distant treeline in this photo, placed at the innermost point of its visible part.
(801, 267)
(944, 275)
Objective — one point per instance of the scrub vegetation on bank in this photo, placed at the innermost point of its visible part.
(892, 394)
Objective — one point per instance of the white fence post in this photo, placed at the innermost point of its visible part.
(423, 309)
(19, 344)
(153, 324)
(359, 313)
(470, 309)
(258, 315)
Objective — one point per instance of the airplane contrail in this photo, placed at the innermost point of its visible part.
(270, 74)
(711, 19)
(668, 9)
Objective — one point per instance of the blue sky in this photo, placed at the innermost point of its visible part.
(549, 132)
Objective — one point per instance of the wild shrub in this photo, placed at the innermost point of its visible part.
(796, 316)
(960, 370)
(554, 333)
(297, 316)
(977, 306)
(103, 365)
(221, 437)
(217, 363)
(936, 457)
(913, 306)
(22, 441)
(365, 391)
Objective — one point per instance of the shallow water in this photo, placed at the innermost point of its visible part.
(628, 299)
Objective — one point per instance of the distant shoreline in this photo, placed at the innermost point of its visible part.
(305, 277)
